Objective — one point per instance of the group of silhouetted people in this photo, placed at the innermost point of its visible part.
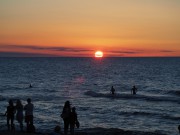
(69, 117)
(18, 110)
(133, 90)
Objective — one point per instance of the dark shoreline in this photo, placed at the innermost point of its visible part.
(89, 131)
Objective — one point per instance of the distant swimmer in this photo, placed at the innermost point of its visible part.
(134, 90)
(112, 90)
(30, 86)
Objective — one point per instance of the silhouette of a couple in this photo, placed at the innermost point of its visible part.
(69, 117)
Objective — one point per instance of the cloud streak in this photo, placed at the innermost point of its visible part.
(125, 52)
(167, 51)
(18, 54)
(48, 51)
(59, 49)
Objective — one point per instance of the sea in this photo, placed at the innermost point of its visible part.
(86, 83)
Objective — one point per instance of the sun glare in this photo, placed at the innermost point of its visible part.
(98, 54)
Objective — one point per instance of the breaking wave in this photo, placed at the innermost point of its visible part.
(129, 96)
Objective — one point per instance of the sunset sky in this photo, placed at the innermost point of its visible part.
(119, 28)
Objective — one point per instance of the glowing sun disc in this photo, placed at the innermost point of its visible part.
(98, 54)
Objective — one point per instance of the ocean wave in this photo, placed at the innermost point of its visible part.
(177, 93)
(36, 97)
(130, 96)
(150, 114)
(176, 118)
(136, 113)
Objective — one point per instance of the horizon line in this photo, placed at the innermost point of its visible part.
(91, 57)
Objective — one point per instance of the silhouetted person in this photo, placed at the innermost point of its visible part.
(19, 114)
(73, 120)
(179, 128)
(66, 116)
(57, 131)
(10, 115)
(112, 90)
(134, 90)
(30, 86)
(29, 107)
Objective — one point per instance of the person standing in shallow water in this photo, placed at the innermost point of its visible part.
(30, 86)
(134, 90)
(112, 90)
(65, 115)
(29, 107)
(19, 114)
(10, 115)
(73, 120)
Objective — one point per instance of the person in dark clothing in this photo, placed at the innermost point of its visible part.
(66, 116)
(112, 90)
(10, 115)
(29, 107)
(73, 120)
(179, 128)
(19, 114)
(134, 90)
(30, 86)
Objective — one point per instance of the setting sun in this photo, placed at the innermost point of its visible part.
(116, 28)
(98, 54)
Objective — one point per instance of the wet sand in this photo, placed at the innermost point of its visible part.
(90, 131)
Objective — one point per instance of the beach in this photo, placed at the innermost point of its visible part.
(88, 131)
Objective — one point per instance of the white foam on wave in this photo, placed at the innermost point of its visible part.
(130, 96)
